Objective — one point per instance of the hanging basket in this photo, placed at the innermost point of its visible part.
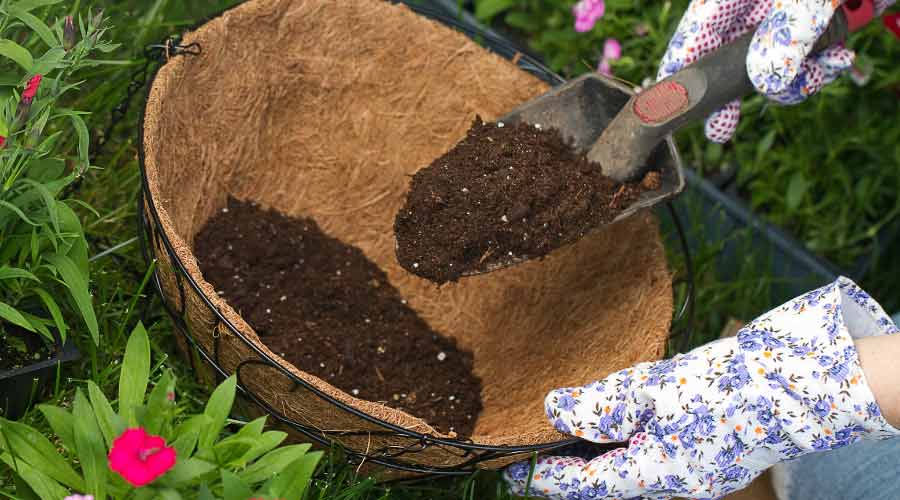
(324, 109)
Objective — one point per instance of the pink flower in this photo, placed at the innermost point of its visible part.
(892, 22)
(587, 13)
(2, 141)
(79, 497)
(32, 88)
(612, 50)
(139, 457)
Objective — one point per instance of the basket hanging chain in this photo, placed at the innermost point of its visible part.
(156, 53)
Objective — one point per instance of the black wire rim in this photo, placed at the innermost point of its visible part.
(389, 456)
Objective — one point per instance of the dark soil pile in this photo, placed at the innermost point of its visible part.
(324, 307)
(504, 192)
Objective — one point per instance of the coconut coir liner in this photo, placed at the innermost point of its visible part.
(505, 192)
(325, 109)
(329, 311)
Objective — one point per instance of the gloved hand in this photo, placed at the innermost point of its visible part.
(779, 64)
(706, 423)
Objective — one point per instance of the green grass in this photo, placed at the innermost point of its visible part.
(845, 153)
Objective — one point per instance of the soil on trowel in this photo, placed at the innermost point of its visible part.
(324, 307)
(504, 192)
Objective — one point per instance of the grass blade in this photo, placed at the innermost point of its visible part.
(78, 288)
(9, 313)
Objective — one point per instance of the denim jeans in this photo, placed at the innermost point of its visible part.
(868, 470)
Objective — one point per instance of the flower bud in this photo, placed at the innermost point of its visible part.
(24, 107)
(2, 141)
(97, 20)
(70, 35)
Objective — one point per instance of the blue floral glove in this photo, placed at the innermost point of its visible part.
(706, 423)
(778, 64)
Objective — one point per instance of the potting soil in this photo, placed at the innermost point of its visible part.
(504, 191)
(324, 307)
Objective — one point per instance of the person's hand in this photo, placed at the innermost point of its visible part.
(708, 422)
(779, 63)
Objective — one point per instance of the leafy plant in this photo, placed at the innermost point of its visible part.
(43, 148)
(146, 449)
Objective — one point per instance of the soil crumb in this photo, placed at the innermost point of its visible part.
(324, 307)
(504, 192)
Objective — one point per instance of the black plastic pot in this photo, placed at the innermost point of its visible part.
(22, 387)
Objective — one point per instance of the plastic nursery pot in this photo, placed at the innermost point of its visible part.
(22, 387)
(280, 104)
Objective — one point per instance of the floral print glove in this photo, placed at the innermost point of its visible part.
(779, 64)
(706, 423)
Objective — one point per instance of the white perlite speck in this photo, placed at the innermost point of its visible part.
(465, 190)
(355, 392)
(504, 219)
(537, 126)
(268, 311)
(416, 265)
(283, 298)
(442, 356)
(500, 125)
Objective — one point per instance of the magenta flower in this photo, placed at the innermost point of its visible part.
(612, 50)
(139, 457)
(587, 13)
(79, 497)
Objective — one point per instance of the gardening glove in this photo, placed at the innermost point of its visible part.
(706, 423)
(779, 62)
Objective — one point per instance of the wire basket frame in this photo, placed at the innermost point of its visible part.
(156, 246)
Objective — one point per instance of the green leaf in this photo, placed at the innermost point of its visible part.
(168, 494)
(49, 202)
(54, 310)
(16, 211)
(485, 10)
(273, 463)
(188, 433)
(17, 53)
(8, 313)
(186, 471)
(89, 446)
(78, 288)
(765, 144)
(135, 374)
(50, 61)
(83, 136)
(39, 482)
(266, 443)
(35, 24)
(294, 479)
(111, 425)
(29, 445)
(158, 404)
(11, 273)
(61, 422)
(204, 494)
(796, 189)
(235, 487)
(217, 409)
(29, 5)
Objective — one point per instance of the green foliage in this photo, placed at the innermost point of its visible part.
(44, 277)
(248, 463)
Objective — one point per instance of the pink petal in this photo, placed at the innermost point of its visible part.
(612, 49)
(587, 13)
(604, 68)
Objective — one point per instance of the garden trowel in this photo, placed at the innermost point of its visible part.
(628, 133)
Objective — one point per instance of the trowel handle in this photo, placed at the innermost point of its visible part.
(692, 94)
